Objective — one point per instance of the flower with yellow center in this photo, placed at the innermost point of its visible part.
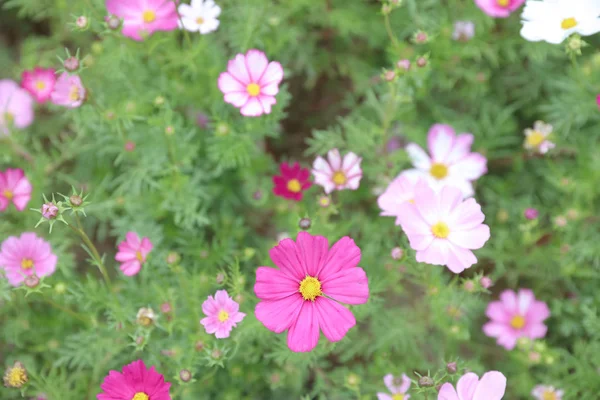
(568, 23)
(74, 93)
(398, 396)
(8, 194)
(140, 396)
(549, 395)
(139, 256)
(438, 171)
(339, 178)
(223, 316)
(294, 186)
(148, 16)
(199, 20)
(503, 3)
(15, 376)
(253, 89)
(535, 139)
(27, 263)
(310, 288)
(440, 230)
(517, 322)
(40, 85)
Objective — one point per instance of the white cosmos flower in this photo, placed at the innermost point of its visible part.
(200, 16)
(555, 20)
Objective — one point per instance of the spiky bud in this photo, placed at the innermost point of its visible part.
(451, 368)
(426, 381)
(71, 64)
(305, 223)
(49, 210)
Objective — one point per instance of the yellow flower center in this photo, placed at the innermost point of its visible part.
(139, 256)
(40, 85)
(440, 230)
(74, 94)
(140, 396)
(549, 395)
(15, 377)
(8, 194)
(310, 288)
(339, 178)
(199, 20)
(503, 3)
(517, 322)
(27, 263)
(568, 23)
(535, 139)
(294, 186)
(148, 16)
(145, 321)
(223, 316)
(438, 170)
(253, 89)
(398, 396)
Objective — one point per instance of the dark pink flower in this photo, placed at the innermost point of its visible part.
(136, 382)
(132, 253)
(499, 8)
(141, 18)
(292, 182)
(39, 82)
(531, 213)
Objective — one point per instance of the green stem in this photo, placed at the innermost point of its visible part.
(95, 255)
(387, 118)
(67, 310)
(390, 32)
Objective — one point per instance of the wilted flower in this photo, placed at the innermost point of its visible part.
(26, 255)
(531, 213)
(132, 253)
(398, 386)
(542, 392)
(39, 82)
(421, 62)
(337, 173)
(499, 8)
(139, 382)
(68, 91)
(199, 16)
(292, 181)
(451, 368)
(463, 31)
(141, 19)
(14, 188)
(469, 387)
(15, 376)
(146, 317)
(536, 139)
(166, 308)
(560, 221)
(16, 107)
(222, 314)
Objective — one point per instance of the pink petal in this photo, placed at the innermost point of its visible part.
(284, 256)
(47, 266)
(535, 330)
(210, 306)
(21, 201)
(252, 108)
(273, 284)
(270, 89)
(419, 158)
(436, 253)
(349, 286)
(459, 259)
(256, 63)
(399, 191)
(491, 386)
(448, 200)
(312, 252)
(411, 220)
(133, 240)
(426, 202)
(221, 298)
(466, 385)
(447, 392)
(496, 312)
(538, 311)
(462, 147)
(303, 335)
(237, 99)
(466, 216)
(273, 75)
(227, 83)
(335, 159)
(440, 141)
(266, 102)
(470, 167)
(279, 315)
(131, 268)
(525, 299)
(334, 319)
(471, 239)
(383, 396)
(124, 256)
(344, 254)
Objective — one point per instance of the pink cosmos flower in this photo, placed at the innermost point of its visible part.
(132, 253)
(251, 83)
(451, 161)
(469, 387)
(15, 188)
(136, 382)
(499, 8)
(303, 296)
(598, 100)
(542, 392)
(516, 315)
(16, 107)
(26, 255)
(39, 82)
(141, 18)
(397, 386)
(399, 191)
(443, 228)
(292, 182)
(337, 173)
(68, 91)
(222, 314)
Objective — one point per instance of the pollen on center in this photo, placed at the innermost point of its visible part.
(438, 170)
(339, 178)
(40, 85)
(199, 20)
(398, 396)
(253, 89)
(503, 3)
(140, 396)
(310, 288)
(149, 16)
(139, 256)
(517, 322)
(535, 139)
(8, 194)
(223, 316)
(549, 395)
(440, 230)
(27, 263)
(294, 186)
(74, 93)
(568, 23)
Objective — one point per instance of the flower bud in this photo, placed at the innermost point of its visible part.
(185, 375)
(113, 22)
(202, 120)
(82, 22)
(426, 381)
(166, 308)
(220, 278)
(159, 100)
(75, 200)
(71, 64)
(257, 195)
(304, 223)
(389, 75)
(386, 9)
(451, 368)
(216, 354)
(352, 380)
(531, 213)
(172, 257)
(421, 37)
(397, 253)
(129, 146)
(222, 129)
(31, 281)
(469, 286)
(169, 130)
(16, 376)
(421, 62)
(199, 346)
(485, 282)
(560, 221)
(49, 210)
(403, 64)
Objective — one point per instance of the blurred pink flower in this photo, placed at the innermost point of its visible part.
(542, 392)
(399, 191)
(485, 282)
(26, 255)
(515, 316)
(531, 213)
(68, 91)
(469, 387)
(142, 18)
(15, 188)
(251, 83)
(16, 107)
(499, 8)
(463, 31)
(303, 296)
(292, 182)
(598, 100)
(398, 386)
(39, 82)
(337, 173)
(536, 139)
(451, 161)
(443, 228)
(136, 382)
(132, 253)
(222, 314)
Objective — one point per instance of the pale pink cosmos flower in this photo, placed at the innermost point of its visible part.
(39, 82)
(222, 314)
(14, 188)
(469, 387)
(141, 18)
(133, 253)
(398, 386)
(16, 107)
(451, 161)
(251, 83)
(303, 296)
(25, 256)
(542, 392)
(443, 228)
(68, 91)
(399, 191)
(337, 173)
(536, 139)
(516, 315)
(499, 8)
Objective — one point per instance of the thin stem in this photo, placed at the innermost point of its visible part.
(95, 255)
(185, 31)
(390, 32)
(387, 119)
(67, 310)
(18, 149)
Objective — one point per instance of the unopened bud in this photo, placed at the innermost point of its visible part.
(397, 253)
(139, 340)
(82, 22)
(386, 9)
(353, 380)
(185, 375)
(216, 353)
(169, 130)
(403, 64)
(172, 257)
(575, 43)
(202, 120)
(421, 37)
(451, 368)
(220, 278)
(421, 62)
(129, 146)
(75, 200)
(531, 213)
(166, 308)
(71, 64)
(389, 75)
(31, 281)
(257, 195)
(469, 286)
(304, 223)
(485, 282)
(16, 376)
(222, 129)
(199, 346)
(49, 210)
(159, 100)
(113, 22)
(425, 381)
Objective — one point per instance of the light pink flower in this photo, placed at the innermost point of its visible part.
(132, 253)
(26, 255)
(337, 173)
(39, 82)
(15, 188)
(536, 139)
(251, 83)
(451, 161)
(443, 228)
(16, 107)
(141, 18)
(469, 387)
(499, 8)
(542, 392)
(516, 315)
(398, 386)
(303, 296)
(399, 191)
(222, 314)
(68, 91)
(136, 382)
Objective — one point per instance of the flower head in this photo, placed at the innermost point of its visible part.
(143, 18)
(39, 82)
(132, 253)
(398, 386)
(14, 188)
(292, 182)
(136, 382)
(303, 296)
(463, 31)
(516, 315)
(536, 139)
(146, 317)
(199, 16)
(15, 376)
(531, 213)
(451, 161)
(222, 314)
(251, 83)
(542, 392)
(68, 91)
(499, 8)
(16, 107)
(398, 192)
(491, 386)
(337, 173)
(26, 255)
(443, 228)
(49, 210)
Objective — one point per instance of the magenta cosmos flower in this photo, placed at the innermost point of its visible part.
(14, 188)
(251, 83)
(516, 315)
(16, 107)
(292, 182)
(542, 392)
(141, 18)
(136, 382)
(499, 8)
(303, 296)
(68, 91)
(26, 255)
(399, 191)
(39, 82)
(398, 386)
(337, 173)
(222, 314)
(443, 228)
(132, 253)
(469, 387)
(451, 161)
